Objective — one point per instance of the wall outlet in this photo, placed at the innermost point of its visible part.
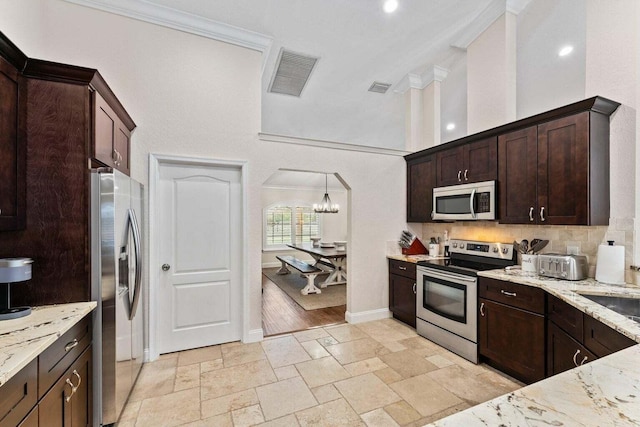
(573, 250)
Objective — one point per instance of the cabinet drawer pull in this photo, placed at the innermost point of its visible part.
(71, 345)
(466, 172)
(542, 218)
(459, 176)
(584, 360)
(531, 214)
(402, 268)
(414, 288)
(509, 294)
(482, 309)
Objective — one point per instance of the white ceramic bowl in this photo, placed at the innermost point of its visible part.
(341, 245)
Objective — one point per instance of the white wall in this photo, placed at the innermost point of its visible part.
(453, 101)
(192, 96)
(491, 76)
(333, 226)
(545, 80)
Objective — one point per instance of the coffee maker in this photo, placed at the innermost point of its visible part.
(13, 270)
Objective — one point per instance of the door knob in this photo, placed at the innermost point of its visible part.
(165, 267)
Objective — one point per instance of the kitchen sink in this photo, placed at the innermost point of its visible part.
(629, 307)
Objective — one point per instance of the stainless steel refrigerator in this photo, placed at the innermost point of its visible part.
(116, 284)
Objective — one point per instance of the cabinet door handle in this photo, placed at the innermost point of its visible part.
(531, 214)
(584, 360)
(482, 309)
(73, 390)
(402, 268)
(459, 176)
(509, 294)
(75, 387)
(542, 218)
(574, 357)
(71, 345)
(466, 171)
(414, 288)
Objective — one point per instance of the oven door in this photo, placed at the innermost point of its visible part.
(448, 300)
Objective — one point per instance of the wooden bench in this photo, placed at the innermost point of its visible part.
(307, 270)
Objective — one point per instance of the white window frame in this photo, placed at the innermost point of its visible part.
(292, 205)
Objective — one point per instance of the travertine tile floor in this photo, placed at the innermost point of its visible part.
(378, 373)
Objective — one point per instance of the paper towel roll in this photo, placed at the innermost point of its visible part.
(610, 264)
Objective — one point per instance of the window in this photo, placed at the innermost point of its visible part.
(287, 223)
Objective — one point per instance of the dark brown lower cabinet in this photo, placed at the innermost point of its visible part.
(563, 352)
(402, 291)
(69, 402)
(512, 340)
(403, 298)
(31, 420)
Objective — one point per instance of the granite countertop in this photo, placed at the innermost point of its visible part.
(605, 392)
(412, 258)
(23, 339)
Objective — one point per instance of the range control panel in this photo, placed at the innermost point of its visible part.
(483, 249)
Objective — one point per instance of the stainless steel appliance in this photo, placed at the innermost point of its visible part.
(560, 266)
(117, 264)
(447, 293)
(476, 201)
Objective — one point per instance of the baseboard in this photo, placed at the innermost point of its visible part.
(254, 335)
(367, 316)
(271, 264)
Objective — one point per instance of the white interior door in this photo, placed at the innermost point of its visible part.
(199, 215)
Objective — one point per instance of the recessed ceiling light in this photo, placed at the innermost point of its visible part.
(565, 51)
(451, 126)
(390, 6)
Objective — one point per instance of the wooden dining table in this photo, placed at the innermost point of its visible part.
(334, 259)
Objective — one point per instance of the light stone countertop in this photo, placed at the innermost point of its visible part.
(23, 339)
(412, 258)
(605, 392)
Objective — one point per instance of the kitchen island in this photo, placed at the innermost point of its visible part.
(603, 392)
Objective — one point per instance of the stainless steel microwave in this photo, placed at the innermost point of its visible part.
(466, 202)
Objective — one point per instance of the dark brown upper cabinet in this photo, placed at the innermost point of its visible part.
(13, 149)
(111, 144)
(552, 168)
(421, 179)
(473, 162)
(556, 172)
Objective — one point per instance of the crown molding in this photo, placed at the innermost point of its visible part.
(479, 24)
(414, 81)
(330, 144)
(181, 21)
(410, 81)
(435, 74)
(517, 6)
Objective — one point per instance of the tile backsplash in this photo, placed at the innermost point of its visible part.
(586, 239)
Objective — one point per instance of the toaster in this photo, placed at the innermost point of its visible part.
(562, 266)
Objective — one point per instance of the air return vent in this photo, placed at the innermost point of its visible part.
(291, 73)
(379, 87)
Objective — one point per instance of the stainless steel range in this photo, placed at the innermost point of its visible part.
(447, 292)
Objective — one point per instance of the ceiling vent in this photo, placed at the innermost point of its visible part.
(291, 73)
(379, 87)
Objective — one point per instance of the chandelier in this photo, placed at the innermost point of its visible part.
(325, 206)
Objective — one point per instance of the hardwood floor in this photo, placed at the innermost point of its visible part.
(281, 314)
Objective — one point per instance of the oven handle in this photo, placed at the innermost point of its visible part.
(448, 276)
